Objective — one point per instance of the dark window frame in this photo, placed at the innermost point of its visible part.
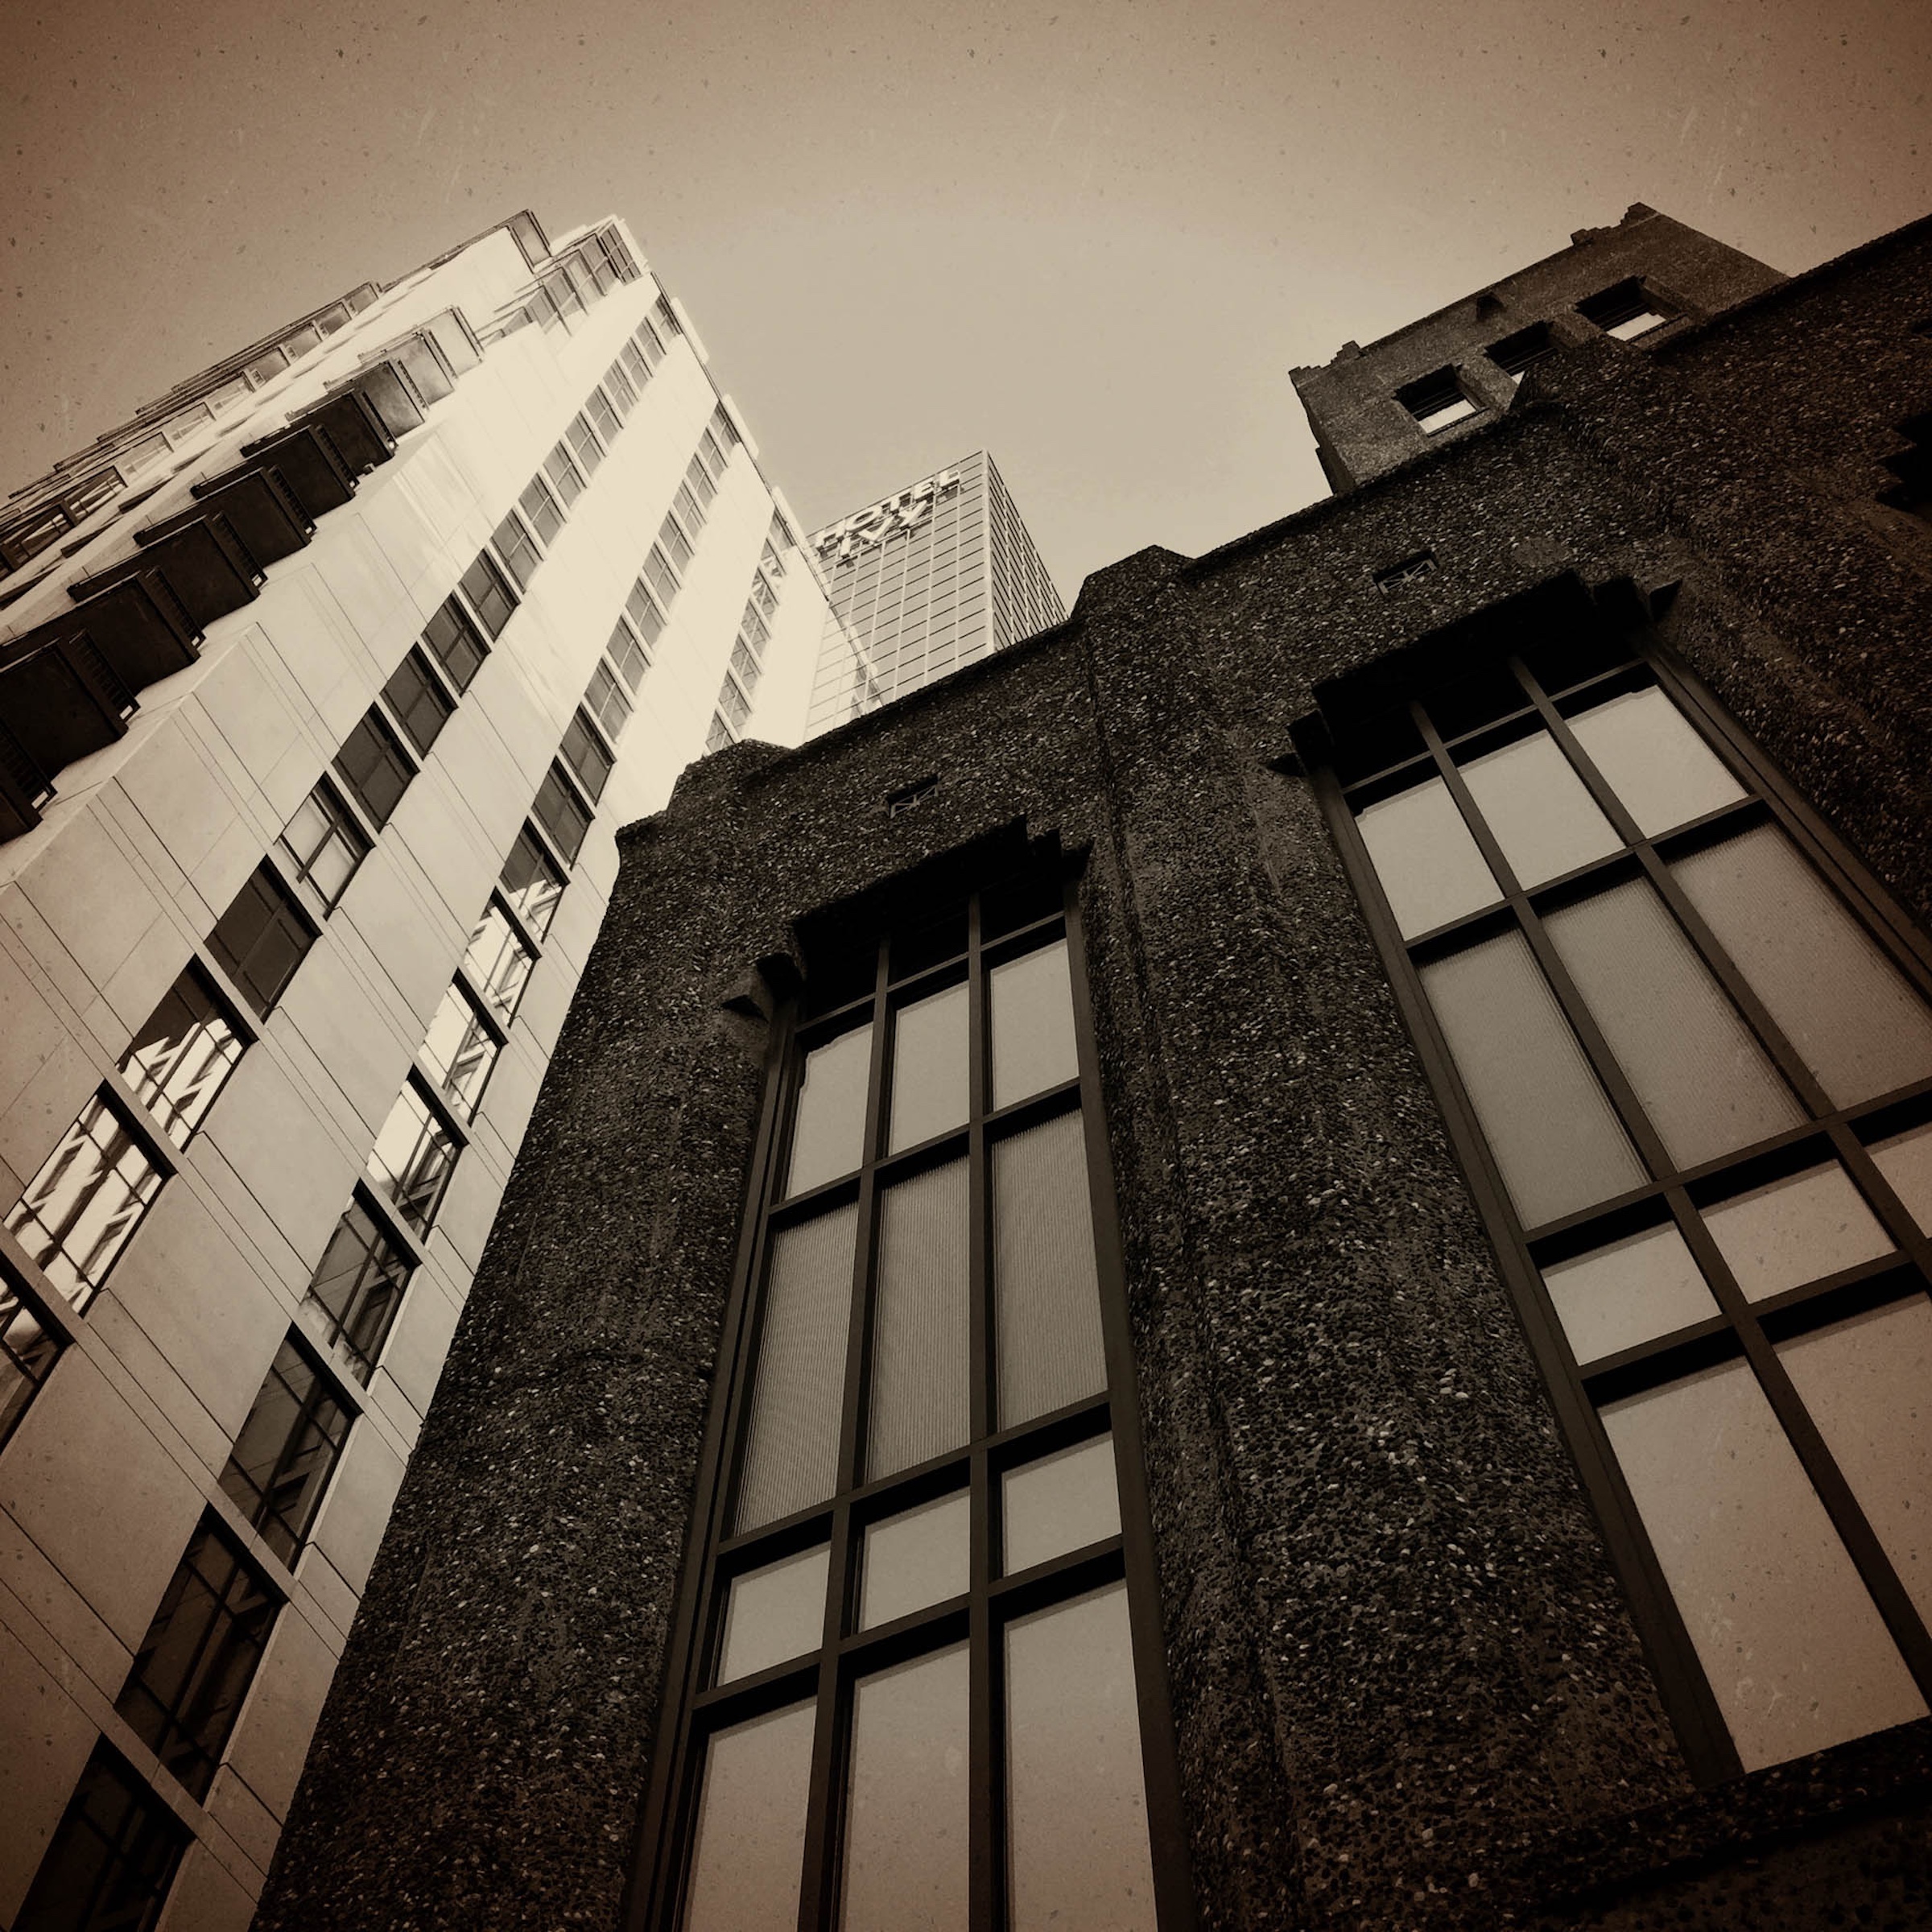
(583, 731)
(539, 506)
(148, 1819)
(430, 698)
(491, 592)
(1746, 1330)
(286, 1532)
(349, 1335)
(381, 747)
(287, 915)
(464, 631)
(516, 549)
(1433, 394)
(694, 1709)
(1611, 308)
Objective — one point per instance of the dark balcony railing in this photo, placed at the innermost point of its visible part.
(206, 564)
(261, 509)
(320, 476)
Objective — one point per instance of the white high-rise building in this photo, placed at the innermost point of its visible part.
(324, 685)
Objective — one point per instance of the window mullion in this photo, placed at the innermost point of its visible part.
(1820, 1465)
(1623, 1096)
(985, 1865)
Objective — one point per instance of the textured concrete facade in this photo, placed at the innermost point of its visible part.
(1407, 1690)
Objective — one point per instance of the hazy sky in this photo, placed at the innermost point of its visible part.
(1095, 238)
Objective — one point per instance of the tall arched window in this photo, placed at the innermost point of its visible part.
(918, 1675)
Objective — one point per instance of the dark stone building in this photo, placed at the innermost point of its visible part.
(1496, 900)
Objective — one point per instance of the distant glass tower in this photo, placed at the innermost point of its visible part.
(922, 582)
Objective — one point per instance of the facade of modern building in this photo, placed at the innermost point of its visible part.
(922, 582)
(324, 685)
(1261, 1263)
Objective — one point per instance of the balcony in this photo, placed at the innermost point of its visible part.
(314, 469)
(260, 508)
(207, 566)
(60, 699)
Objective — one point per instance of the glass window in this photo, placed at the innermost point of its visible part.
(83, 1206)
(589, 758)
(1062, 1503)
(182, 1056)
(831, 1117)
(584, 445)
(516, 550)
(324, 844)
(359, 1285)
(460, 1049)
(1536, 805)
(632, 357)
(749, 1845)
(262, 937)
(1646, 750)
(606, 700)
(566, 479)
(923, 1331)
(1429, 865)
(373, 763)
(1905, 1160)
(489, 594)
(617, 386)
(456, 644)
(906, 1820)
(1033, 1046)
(541, 510)
(111, 1858)
(919, 1558)
(698, 477)
(199, 1658)
(1795, 1230)
(641, 608)
(414, 1157)
(928, 1067)
(657, 567)
(279, 1470)
(672, 538)
(563, 817)
(1629, 1292)
(599, 410)
(774, 1613)
(531, 883)
(417, 701)
(646, 340)
(1076, 1811)
(629, 655)
(499, 960)
(688, 513)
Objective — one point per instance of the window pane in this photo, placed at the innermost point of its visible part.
(1756, 1569)
(1033, 1046)
(921, 1340)
(1428, 863)
(918, 1557)
(561, 813)
(1046, 1290)
(1654, 760)
(928, 1067)
(563, 474)
(1867, 1383)
(324, 844)
(1076, 1808)
(1905, 1160)
(375, 767)
(261, 940)
(791, 1458)
(750, 1849)
(83, 1207)
(179, 1060)
(531, 883)
(1061, 1502)
(540, 507)
(1859, 1025)
(906, 1832)
(111, 1858)
(359, 1284)
(1547, 1121)
(830, 1122)
(1795, 1230)
(499, 961)
(411, 1161)
(515, 549)
(1544, 820)
(453, 642)
(1629, 1292)
(774, 1613)
(280, 1465)
(589, 762)
(462, 1050)
(421, 704)
(1707, 1084)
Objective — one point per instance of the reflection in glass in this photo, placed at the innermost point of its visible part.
(1061, 1502)
(1629, 1292)
(499, 961)
(774, 1612)
(1429, 865)
(1905, 1160)
(180, 1059)
(1543, 817)
(919, 1557)
(1756, 1569)
(906, 1865)
(750, 1849)
(928, 1067)
(461, 1050)
(792, 1457)
(1852, 1014)
(1046, 1290)
(1546, 1119)
(1795, 1230)
(1703, 1079)
(830, 1122)
(1654, 760)
(412, 1160)
(1867, 1383)
(1032, 1024)
(1076, 1808)
(921, 1345)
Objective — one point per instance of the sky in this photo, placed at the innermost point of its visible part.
(1095, 238)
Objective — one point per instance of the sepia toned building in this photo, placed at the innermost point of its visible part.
(1263, 1262)
(324, 683)
(921, 583)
